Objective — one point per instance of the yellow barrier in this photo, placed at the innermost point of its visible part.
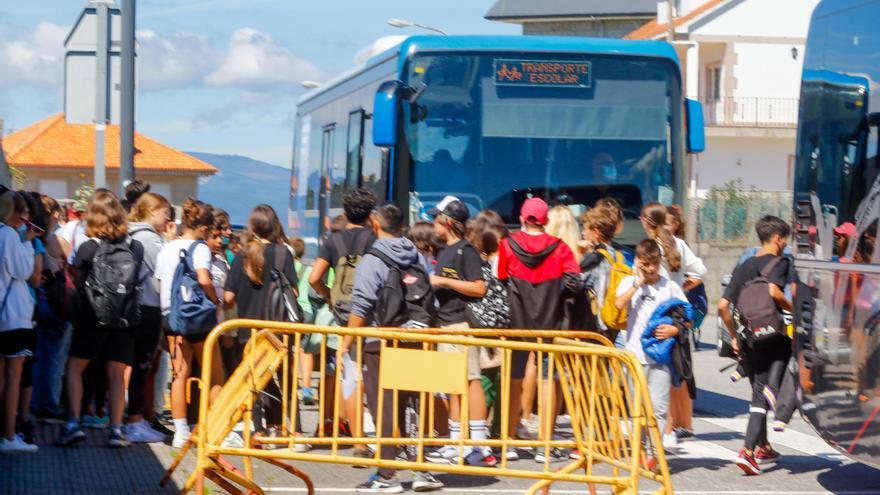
(603, 390)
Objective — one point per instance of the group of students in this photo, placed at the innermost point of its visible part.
(94, 298)
(465, 272)
(120, 285)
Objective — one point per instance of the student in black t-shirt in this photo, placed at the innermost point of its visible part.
(247, 286)
(105, 223)
(765, 365)
(354, 240)
(458, 280)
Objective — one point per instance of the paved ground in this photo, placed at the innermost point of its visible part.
(702, 466)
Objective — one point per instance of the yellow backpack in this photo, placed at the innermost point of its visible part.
(614, 318)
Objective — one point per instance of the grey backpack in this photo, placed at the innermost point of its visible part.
(761, 320)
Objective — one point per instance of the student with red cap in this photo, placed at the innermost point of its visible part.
(541, 270)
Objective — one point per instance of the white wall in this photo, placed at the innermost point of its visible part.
(767, 70)
(760, 162)
(773, 18)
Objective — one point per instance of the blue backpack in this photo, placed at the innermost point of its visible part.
(192, 313)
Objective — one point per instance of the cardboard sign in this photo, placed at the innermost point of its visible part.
(560, 73)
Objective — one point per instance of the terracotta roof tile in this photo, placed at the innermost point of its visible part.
(52, 142)
(653, 29)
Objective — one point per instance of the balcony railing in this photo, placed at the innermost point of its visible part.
(744, 111)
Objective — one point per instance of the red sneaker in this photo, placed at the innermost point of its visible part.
(766, 455)
(746, 461)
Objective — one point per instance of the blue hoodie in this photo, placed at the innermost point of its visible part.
(660, 350)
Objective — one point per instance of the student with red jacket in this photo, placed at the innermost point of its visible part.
(541, 271)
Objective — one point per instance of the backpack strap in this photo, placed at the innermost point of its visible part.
(765, 272)
(384, 258)
(361, 246)
(187, 255)
(280, 251)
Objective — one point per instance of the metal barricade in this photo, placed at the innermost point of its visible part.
(603, 390)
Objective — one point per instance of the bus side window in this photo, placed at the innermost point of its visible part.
(374, 169)
(354, 149)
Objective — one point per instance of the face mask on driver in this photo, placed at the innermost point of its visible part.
(609, 171)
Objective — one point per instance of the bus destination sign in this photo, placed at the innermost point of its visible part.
(514, 72)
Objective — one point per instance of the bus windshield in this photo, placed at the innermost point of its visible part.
(571, 128)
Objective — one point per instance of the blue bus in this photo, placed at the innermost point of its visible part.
(493, 120)
(837, 209)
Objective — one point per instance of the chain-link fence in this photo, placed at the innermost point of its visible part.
(727, 216)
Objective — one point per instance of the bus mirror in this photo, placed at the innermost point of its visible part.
(696, 137)
(385, 113)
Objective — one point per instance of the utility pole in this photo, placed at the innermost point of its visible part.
(670, 16)
(5, 173)
(126, 127)
(101, 88)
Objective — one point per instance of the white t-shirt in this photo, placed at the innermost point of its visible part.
(74, 232)
(691, 264)
(642, 306)
(219, 272)
(167, 262)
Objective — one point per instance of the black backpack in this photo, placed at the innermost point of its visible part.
(406, 299)
(112, 284)
(761, 320)
(281, 304)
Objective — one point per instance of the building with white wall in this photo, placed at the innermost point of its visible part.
(743, 60)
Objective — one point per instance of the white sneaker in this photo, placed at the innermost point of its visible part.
(180, 440)
(142, 432)
(233, 440)
(301, 448)
(16, 446)
(444, 455)
(670, 441)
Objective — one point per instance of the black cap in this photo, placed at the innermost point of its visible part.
(453, 208)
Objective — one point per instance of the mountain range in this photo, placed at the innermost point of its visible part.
(242, 183)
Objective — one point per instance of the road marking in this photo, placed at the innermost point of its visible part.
(702, 450)
(802, 442)
(448, 491)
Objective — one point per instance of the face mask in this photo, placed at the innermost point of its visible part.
(224, 240)
(22, 229)
(609, 171)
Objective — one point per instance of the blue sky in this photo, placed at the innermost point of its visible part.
(219, 76)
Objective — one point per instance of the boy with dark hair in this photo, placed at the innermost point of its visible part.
(765, 363)
(343, 250)
(643, 293)
(541, 271)
(371, 276)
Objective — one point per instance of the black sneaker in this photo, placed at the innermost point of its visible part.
(556, 455)
(70, 437)
(161, 428)
(25, 429)
(380, 484)
(117, 439)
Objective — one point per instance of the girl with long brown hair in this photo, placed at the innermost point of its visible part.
(247, 286)
(197, 221)
(682, 266)
(105, 222)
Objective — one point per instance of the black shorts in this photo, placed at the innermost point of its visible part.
(192, 339)
(147, 335)
(103, 344)
(17, 343)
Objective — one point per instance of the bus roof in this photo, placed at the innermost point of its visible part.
(433, 43)
(560, 44)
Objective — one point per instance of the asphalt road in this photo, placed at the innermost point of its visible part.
(703, 465)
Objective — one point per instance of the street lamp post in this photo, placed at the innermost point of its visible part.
(404, 23)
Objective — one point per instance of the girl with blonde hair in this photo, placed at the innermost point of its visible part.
(562, 224)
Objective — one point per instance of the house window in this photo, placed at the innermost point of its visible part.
(713, 82)
(56, 188)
